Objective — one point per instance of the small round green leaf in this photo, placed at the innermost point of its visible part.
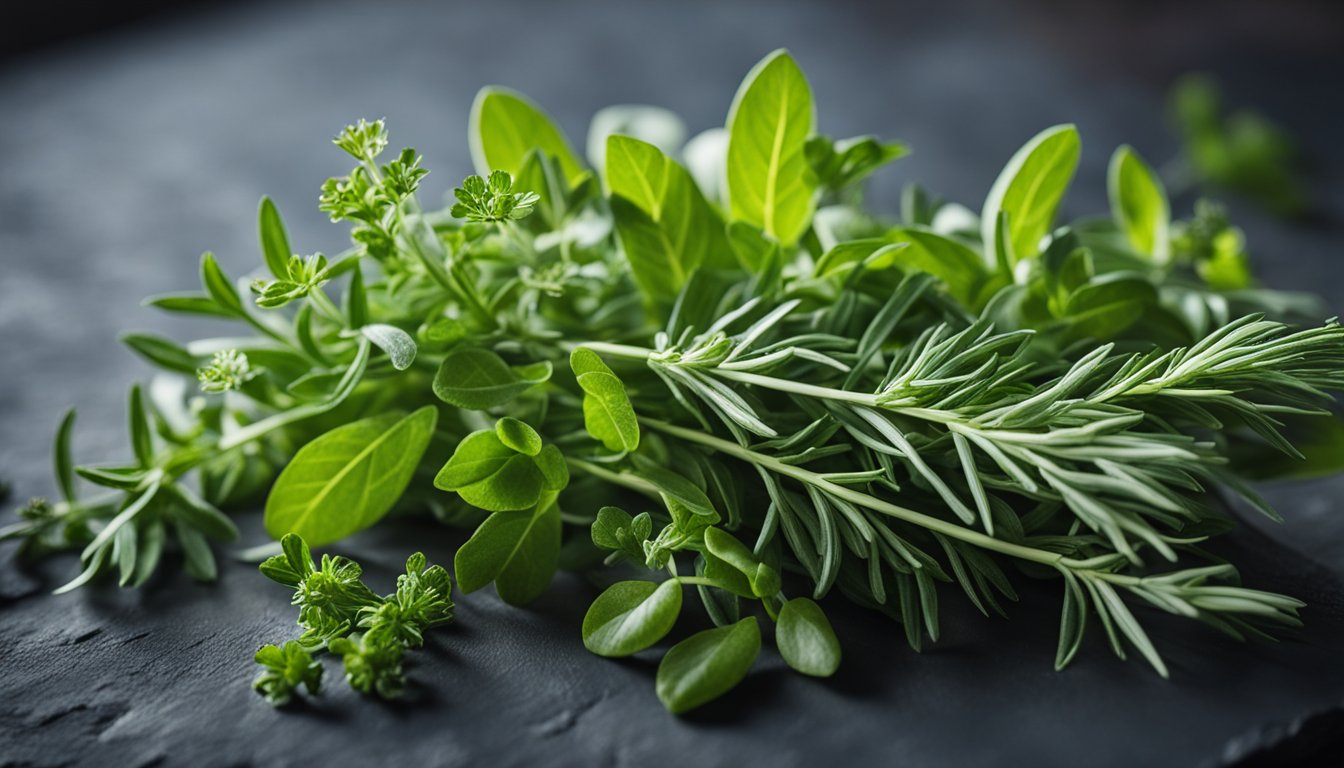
(707, 665)
(518, 435)
(631, 616)
(477, 379)
(805, 638)
(488, 474)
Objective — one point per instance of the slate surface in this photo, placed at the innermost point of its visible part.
(122, 158)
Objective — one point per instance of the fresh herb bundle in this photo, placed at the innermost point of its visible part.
(794, 395)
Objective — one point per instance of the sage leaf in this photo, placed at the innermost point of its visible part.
(805, 638)
(631, 616)
(1139, 204)
(505, 126)
(347, 479)
(477, 379)
(1029, 190)
(707, 665)
(398, 344)
(607, 413)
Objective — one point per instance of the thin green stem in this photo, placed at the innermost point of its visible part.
(623, 479)
(951, 530)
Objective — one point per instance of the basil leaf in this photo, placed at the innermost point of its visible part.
(631, 616)
(488, 474)
(805, 638)
(1029, 190)
(517, 550)
(1139, 204)
(707, 665)
(477, 379)
(607, 412)
(274, 242)
(505, 126)
(347, 479)
(398, 344)
(769, 182)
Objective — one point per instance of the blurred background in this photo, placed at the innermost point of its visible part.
(138, 134)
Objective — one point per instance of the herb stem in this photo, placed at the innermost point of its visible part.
(880, 506)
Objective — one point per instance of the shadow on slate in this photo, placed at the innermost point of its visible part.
(126, 156)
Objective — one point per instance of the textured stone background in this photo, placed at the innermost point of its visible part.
(123, 156)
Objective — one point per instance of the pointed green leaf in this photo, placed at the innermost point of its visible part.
(675, 230)
(477, 379)
(517, 550)
(631, 616)
(274, 242)
(347, 479)
(1139, 204)
(518, 436)
(805, 638)
(1029, 190)
(505, 125)
(707, 665)
(769, 181)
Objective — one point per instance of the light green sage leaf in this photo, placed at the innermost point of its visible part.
(398, 344)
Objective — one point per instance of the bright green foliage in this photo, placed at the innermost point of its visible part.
(773, 379)
(340, 613)
(1139, 204)
(1027, 193)
(707, 664)
(286, 668)
(769, 183)
(347, 479)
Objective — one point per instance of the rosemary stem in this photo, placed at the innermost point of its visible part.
(944, 527)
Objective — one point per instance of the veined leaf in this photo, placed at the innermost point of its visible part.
(607, 412)
(678, 231)
(516, 550)
(489, 474)
(347, 479)
(631, 616)
(805, 638)
(1029, 190)
(475, 378)
(960, 268)
(505, 125)
(659, 127)
(769, 181)
(707, 665)
(1139, 204)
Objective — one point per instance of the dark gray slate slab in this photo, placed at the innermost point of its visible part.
(122, 158)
